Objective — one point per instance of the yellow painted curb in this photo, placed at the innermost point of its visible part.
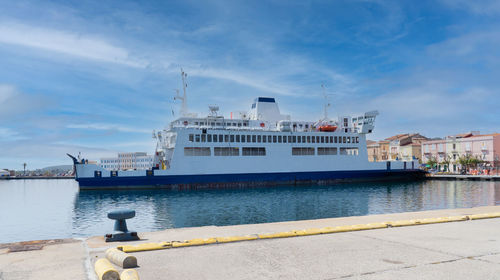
(402, 223)
(105, 270)
(145, 247)
(427, 221)
(129, 274)
(310, 231)
(194, 242)
(236, 238)
(277, 235)
(484, 216)
(305, 232)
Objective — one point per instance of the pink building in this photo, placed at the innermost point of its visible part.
(484, 147)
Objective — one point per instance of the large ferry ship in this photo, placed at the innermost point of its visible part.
(258, 147)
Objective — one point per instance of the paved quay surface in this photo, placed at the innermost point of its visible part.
(456, 250)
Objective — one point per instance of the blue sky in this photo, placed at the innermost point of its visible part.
(98, 76)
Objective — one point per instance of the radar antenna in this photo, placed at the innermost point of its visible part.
(213, 110)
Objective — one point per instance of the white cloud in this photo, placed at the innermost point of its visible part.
(7, 134)
(69, 43)
(107, 126)
(479, 44)
(14, 104)
(481, 7)
(245, 79)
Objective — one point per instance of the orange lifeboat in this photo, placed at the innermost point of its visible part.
(328, 128)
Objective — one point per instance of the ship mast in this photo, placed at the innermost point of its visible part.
(184, 110)
(327, 104)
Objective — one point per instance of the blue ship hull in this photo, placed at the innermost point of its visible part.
(244, 180)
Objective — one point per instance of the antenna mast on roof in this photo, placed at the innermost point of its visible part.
(184, 110)
(327, 103)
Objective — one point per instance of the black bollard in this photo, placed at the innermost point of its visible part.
(121, 232)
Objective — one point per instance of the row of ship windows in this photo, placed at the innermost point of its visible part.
(271, 138)
(118, 166)
(261, 151)
(123, 160)
(244, 124)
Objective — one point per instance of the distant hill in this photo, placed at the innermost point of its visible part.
(58, 168)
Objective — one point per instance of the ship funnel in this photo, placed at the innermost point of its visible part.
(266, 109)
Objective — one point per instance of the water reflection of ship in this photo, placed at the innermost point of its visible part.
(171, 209)
(161, 209)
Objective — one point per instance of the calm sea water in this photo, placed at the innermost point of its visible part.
(45, 209)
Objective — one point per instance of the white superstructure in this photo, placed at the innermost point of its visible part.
(265, 140)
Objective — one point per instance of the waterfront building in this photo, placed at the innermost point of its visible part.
(447, 152)
(398, 147)
(373, 150)
(126, 161)
(410, 151)
(404, 142)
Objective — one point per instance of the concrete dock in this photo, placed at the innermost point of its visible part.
(464, 177)
(455, 250)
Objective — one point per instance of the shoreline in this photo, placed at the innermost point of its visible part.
(36, 177)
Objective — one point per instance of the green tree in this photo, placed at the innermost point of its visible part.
(467, 162)
(432, 162)
(446, 162)
(464, 162)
